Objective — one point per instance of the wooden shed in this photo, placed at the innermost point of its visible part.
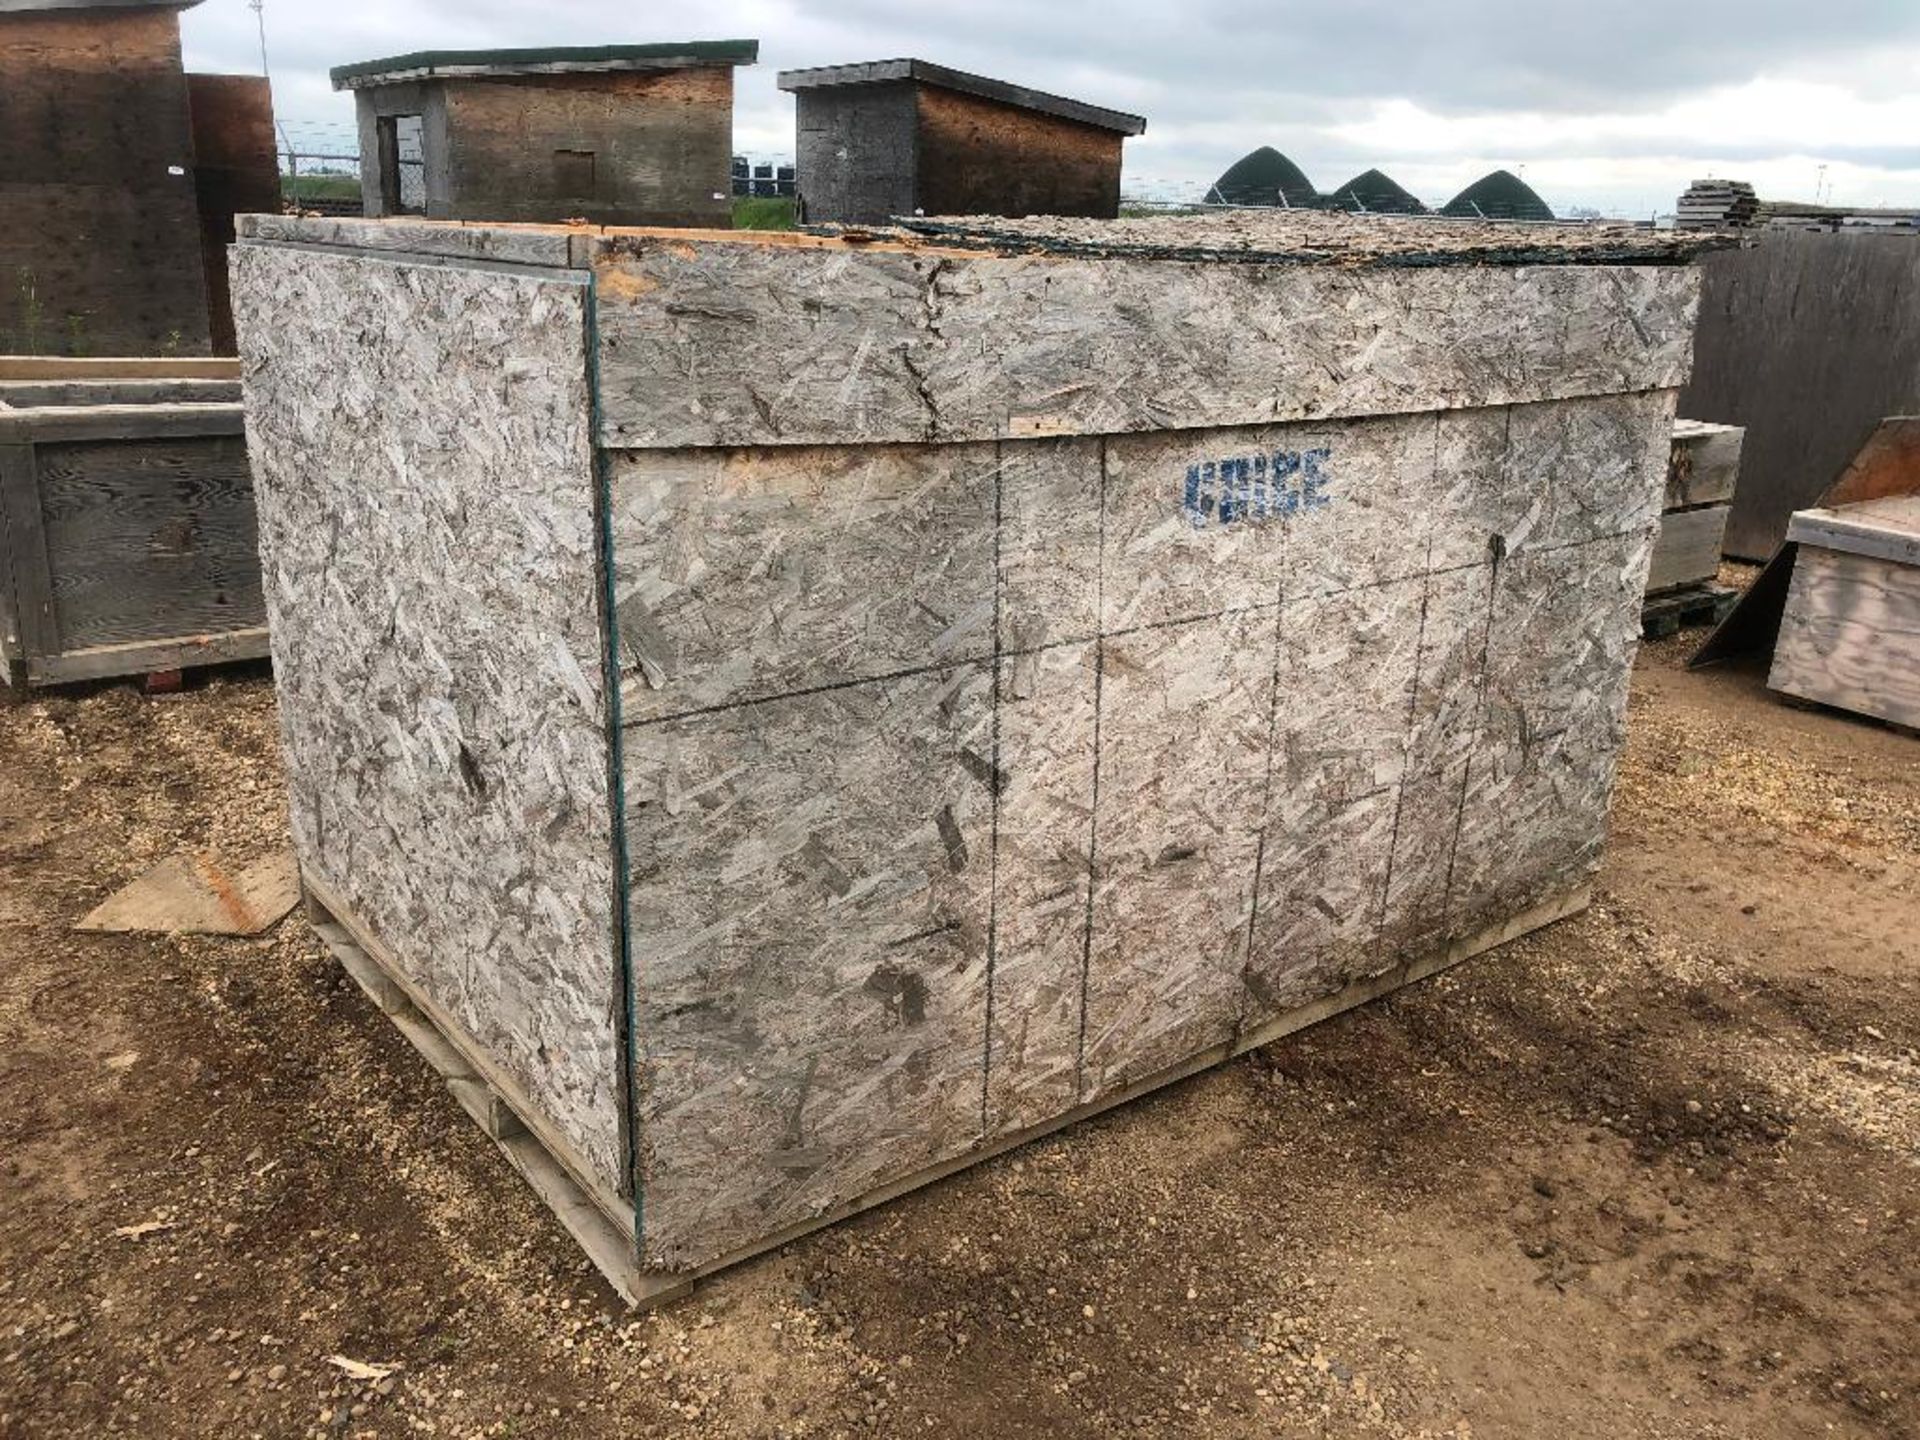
(613, 134)
(788, 717)
(905, 137)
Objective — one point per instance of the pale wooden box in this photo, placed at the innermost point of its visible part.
(796, 715)
(1850, 635)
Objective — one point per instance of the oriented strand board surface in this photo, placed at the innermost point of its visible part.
(1851, 634)
(1217, 739)
(427, 522)
(728, 343)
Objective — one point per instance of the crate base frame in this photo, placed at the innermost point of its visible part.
(602, 1224)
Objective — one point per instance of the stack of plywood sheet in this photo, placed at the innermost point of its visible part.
(1717, 205)
(778, 718)
(1702, 471)
(127, 537)
(1850, 636)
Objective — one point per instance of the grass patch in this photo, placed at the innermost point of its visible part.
(762, 212)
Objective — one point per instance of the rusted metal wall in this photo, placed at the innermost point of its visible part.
(977, 157)
(99, 228)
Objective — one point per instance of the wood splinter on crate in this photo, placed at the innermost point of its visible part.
(780, 720)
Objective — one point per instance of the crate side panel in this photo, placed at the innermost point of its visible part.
(1563, 630)
(1042, 873)
(810, 897)
(1184, 717)
(150, 539)
(715, 343)
(745, 574)
(420, 444)
(1847, 636)
(1539, 476)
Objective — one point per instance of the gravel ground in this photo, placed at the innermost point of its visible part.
(1652, 1172)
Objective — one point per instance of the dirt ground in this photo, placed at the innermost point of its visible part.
(1652, 1172)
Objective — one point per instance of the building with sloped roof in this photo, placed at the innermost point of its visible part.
(612, 134)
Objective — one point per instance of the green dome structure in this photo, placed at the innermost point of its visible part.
(1374, 192)
(1264, 177)
(1500, 195)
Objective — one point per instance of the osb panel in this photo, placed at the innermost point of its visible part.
(810, 902)
(746, 574)
(1185, 712)
(718, 343)
(1312, 739)
(1560, 646)
(425, 482)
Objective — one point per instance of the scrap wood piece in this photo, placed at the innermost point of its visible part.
(361, 1369)
(193, 894)
(144, 1228)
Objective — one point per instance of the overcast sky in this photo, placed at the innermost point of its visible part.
(1610, 103)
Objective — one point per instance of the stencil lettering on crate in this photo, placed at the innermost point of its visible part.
(1256, 487)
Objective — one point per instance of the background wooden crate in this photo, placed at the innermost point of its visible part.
(129, 540)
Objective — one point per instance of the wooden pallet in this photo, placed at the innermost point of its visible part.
(602, 1223)
(1693, 605)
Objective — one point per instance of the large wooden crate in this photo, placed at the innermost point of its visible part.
(795, 715)
(1850, 636)
(127, 536)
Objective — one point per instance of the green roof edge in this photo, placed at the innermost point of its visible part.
(721, 52)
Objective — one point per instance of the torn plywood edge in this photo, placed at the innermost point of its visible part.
(993, 733)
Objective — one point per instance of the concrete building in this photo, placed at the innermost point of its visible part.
(614, 134)
(103, 206)
(904, 137)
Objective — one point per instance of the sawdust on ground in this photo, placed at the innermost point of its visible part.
(1652, 1172)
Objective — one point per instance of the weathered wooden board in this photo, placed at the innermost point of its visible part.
(446, 742)
(195, 894)
(1705, 466)
(1806, 340)
(1851, 634)
(542, 246)
(733, 343)
(1687, 550)
(24, 394)
(1887, 528)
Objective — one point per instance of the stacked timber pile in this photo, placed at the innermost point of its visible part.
(1702, 470)
(1717, 205)
(1850, 636)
